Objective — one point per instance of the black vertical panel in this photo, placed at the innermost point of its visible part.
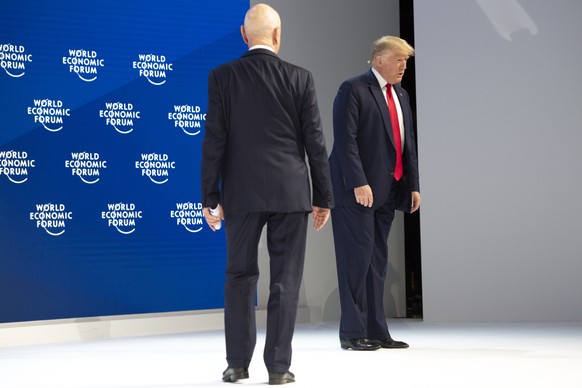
(411, 221)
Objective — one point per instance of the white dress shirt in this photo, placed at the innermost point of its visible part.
(383, 84)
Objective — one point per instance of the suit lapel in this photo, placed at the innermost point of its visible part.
(376, 91)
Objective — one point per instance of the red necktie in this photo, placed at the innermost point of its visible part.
(395, 131)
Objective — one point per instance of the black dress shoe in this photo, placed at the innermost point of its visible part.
(389, 343)
(232, 375)
(358, 344)
(281, 378)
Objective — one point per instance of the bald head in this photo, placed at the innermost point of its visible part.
(262, 26)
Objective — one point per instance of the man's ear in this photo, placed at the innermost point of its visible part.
(244, 34)
(276, 38)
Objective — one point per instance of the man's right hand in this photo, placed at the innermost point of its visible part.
(364, 195)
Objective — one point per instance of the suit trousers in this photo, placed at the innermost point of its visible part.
(361, 246)
(286, 238)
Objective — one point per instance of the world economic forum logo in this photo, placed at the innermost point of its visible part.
(52, 217)
(15, 165)
(187, 117)
(155, 166)
(86, 165)
(49, 113)
(153, 67)
(189, 215)
(122, 216)
(13, 59)
(121, 116)
(84, 63)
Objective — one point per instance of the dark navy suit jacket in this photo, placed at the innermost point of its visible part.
(261, 123)
(363, 152)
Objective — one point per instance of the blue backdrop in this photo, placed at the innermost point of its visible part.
(101, 123)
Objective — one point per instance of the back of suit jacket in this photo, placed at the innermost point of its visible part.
(262, 120)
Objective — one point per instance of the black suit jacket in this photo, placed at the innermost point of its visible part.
(363, 151)
(262, 121)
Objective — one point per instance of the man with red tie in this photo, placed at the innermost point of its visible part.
(374, 170)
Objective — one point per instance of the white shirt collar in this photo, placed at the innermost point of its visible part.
(380, 79)
(261, 46)
(383, 83)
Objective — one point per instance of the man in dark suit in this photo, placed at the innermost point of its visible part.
(262, 121)
(374, 172)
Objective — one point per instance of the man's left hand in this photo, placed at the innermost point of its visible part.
(415, 201)
(320, 217)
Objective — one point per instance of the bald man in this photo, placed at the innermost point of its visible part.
(262, 121)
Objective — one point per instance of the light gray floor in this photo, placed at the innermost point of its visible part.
(441, 355)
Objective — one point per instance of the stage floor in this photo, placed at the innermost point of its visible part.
(440, 355)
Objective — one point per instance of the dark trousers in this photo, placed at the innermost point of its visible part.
(361, 249)
(286, 237)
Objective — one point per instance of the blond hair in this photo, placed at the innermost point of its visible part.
(390, 43)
